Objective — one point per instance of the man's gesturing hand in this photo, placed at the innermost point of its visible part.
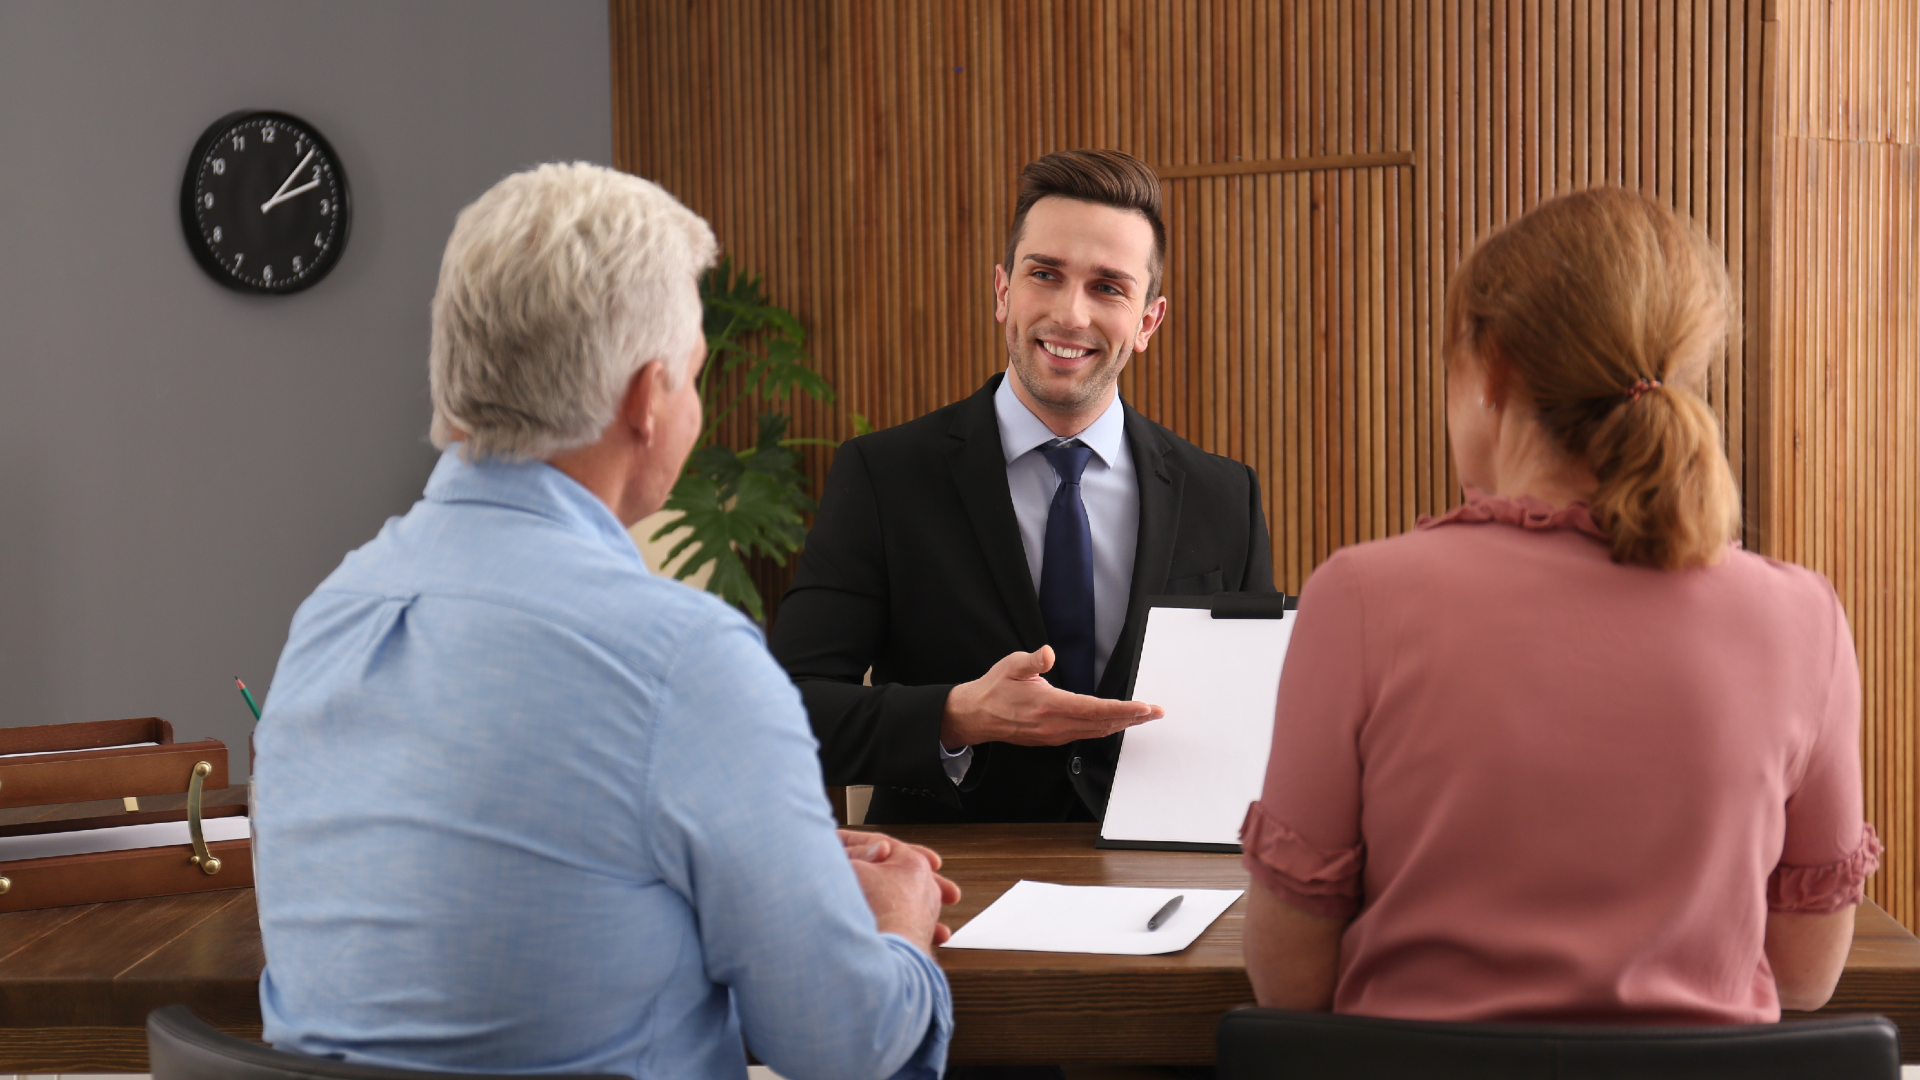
(901, 887)
(1012, 703)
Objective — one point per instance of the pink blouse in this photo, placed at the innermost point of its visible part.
(1548, 786)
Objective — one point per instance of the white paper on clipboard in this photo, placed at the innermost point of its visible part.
(1187, 777)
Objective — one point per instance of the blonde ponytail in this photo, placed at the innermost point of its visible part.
(1607, 309)
(1666, 496)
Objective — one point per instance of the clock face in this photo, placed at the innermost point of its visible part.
(264, 203)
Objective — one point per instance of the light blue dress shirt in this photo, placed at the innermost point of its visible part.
(1109, 489)
(524, 808)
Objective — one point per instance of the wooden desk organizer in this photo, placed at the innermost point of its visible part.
(85, 776)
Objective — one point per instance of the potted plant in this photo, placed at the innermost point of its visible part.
(736, 502)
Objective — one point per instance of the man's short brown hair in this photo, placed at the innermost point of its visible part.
(1107, 177)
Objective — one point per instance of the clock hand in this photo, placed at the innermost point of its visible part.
(278, 199)
(283, 194)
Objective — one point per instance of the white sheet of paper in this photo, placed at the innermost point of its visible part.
(120, 838)
(1188, 776)
(1035, 916)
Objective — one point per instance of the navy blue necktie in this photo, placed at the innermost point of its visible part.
(1066, 571)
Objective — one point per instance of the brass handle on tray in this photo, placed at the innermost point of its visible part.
(201, 857)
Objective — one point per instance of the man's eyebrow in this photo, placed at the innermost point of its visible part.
(1113, 272)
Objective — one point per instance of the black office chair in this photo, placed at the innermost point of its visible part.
(181, 1046)
(1270, 1044)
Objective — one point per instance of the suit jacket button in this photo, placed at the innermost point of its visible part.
(1074, 766)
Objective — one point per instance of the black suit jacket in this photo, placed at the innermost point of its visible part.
(915, 567)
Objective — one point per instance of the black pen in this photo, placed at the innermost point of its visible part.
(1166, 912)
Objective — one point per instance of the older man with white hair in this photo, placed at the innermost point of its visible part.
(521, 806)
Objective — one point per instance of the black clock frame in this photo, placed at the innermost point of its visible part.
(190, 221)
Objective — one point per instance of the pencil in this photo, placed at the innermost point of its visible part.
(248, 694)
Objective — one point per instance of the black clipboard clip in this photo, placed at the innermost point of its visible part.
(1234, 605)
(1240, 605)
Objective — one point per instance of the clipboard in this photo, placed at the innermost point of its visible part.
(1183, 782)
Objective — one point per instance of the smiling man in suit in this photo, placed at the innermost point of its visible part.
(992, 561)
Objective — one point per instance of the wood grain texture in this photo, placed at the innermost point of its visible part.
(1327, 165)
(1842, 492)
(52, 738)
(1161, 1005)
(104, 876)
(73, 1049)
(862, 156)
(83, 775)
(75, 984)
(86, 1049)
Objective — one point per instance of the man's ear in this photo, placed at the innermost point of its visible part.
(1000, 283)
(1150, 320)
(636, 405)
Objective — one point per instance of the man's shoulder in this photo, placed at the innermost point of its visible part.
(906, 451)
(528, 570)
(928, 430)
(1196, 463)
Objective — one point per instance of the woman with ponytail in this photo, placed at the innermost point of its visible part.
(1567, 752)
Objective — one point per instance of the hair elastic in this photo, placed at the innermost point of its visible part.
(1639, 388)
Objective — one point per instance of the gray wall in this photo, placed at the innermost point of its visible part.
(179, 464)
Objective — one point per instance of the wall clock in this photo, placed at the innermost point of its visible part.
(264, 203)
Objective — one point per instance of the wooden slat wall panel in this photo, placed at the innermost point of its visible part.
(1841, 494)
(861, 154)
(1517, 101)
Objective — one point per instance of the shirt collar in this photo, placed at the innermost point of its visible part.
(531, 486)
(1021, 431)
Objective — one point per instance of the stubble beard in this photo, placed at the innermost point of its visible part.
(1093, 385)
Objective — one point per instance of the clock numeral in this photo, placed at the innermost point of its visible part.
(267, 273)
(216, 234)
(239, 142)
(296, 264)
(219, 166)
(236, 259)
(207, 200)
(319, 240)
(266, 133)
(323, 208)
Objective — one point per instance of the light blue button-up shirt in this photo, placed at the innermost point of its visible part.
(1109, 490)
(524, 808)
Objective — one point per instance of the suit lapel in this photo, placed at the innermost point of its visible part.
(979, 466)
(1161, 482)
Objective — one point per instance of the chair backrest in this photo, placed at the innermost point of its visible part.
(182, 1047)
(1270, 1044)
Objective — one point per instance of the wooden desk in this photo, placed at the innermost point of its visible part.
(1067, 1008)
(76, 983)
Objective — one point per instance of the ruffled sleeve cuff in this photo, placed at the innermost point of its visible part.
(1315, 880)
(1825, 889)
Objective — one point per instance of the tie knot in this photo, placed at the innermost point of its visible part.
(1068, 457)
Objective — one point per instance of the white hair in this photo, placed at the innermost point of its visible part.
(557, 285)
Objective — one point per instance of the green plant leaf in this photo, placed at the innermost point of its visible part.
(710, 529)
(861, 425)
(742, 503)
